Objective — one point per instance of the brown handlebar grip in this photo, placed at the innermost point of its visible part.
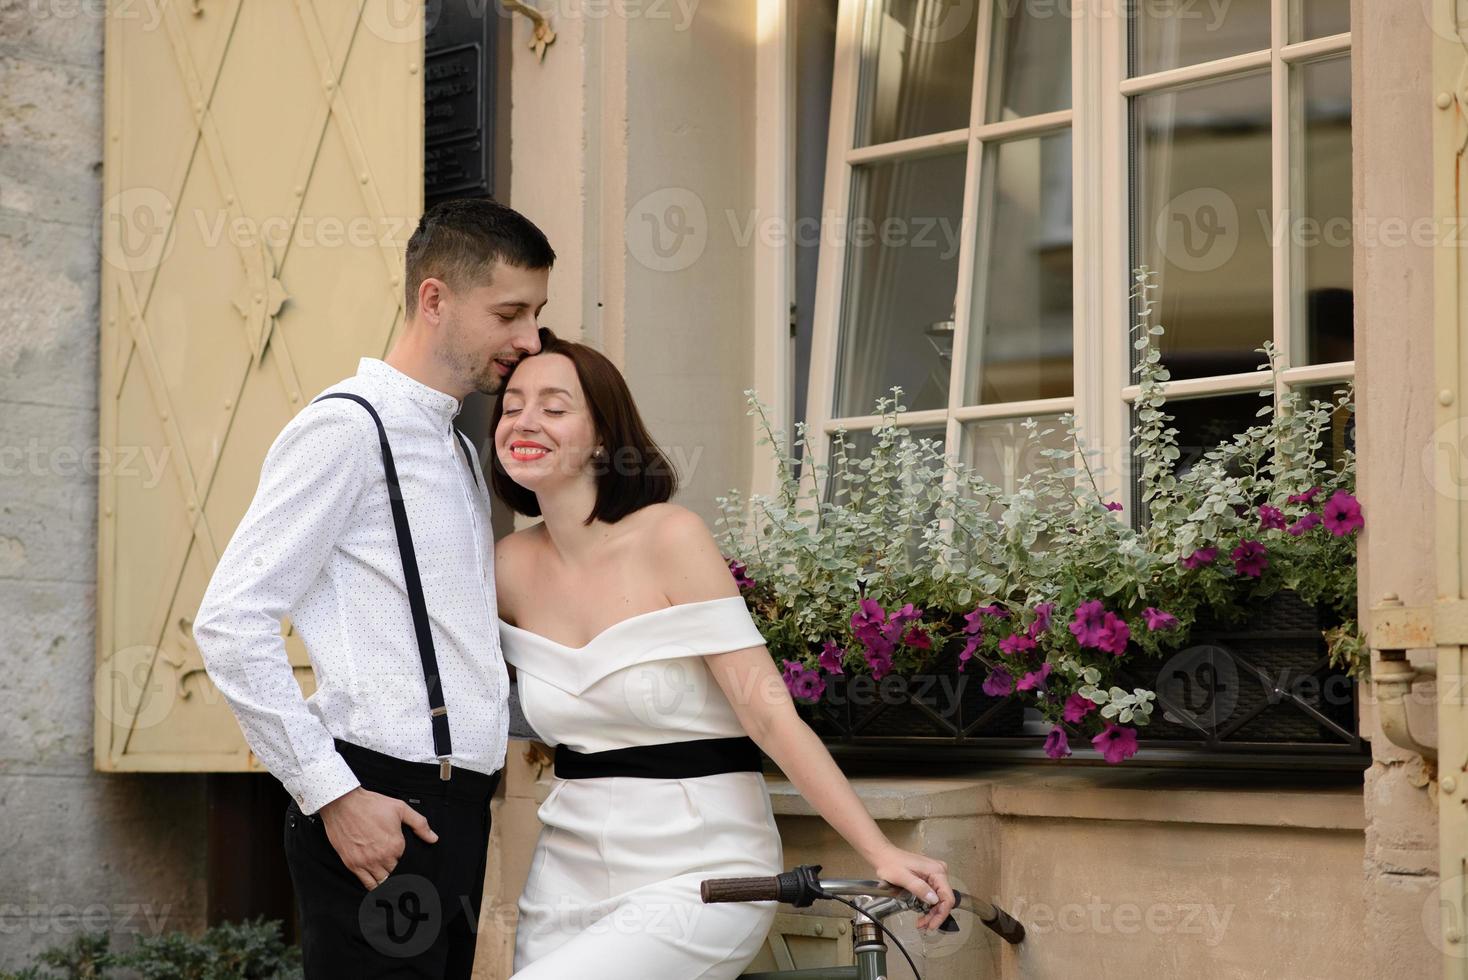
(740, 890)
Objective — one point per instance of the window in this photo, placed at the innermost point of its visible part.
(997, 168)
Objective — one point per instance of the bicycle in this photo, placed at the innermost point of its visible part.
(874, 901)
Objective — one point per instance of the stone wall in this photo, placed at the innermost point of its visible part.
(123, 853)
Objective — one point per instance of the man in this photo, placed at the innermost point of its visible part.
(391, 763)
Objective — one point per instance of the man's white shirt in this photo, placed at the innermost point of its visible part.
(317, 544)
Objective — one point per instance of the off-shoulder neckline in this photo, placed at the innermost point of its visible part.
(619, 623)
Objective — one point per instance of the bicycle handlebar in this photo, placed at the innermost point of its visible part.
(801, 886)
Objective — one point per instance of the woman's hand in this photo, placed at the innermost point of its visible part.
(925, 877)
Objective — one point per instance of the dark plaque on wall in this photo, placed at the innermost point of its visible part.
(458, 100)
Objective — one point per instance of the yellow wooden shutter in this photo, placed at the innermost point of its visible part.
(263, 170)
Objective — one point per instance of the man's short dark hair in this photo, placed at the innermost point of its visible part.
(459, 241)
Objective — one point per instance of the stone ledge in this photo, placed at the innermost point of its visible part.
(1131, 794)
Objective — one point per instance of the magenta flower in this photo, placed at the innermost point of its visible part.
(1077, 707)
(1116, 744)
(1304, 498)
(998, 683)
(1250, 559)
(804, 685)
(1303, 524)
(1271, 518)
(737, 569)
(917, 638)
(974, 621)
(1342, 514)
(968, 651)
(1088, 623)
(1158, 620)
(879, 658)
(1043, 614)
(831, 657)
(1114, 634)
(1057, 746)
(1094, 627)
(1016, 644)
(1114, 505)
(1034, 679)
(1201, 557)
(868, 618)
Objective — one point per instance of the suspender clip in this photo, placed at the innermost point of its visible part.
(443, 767)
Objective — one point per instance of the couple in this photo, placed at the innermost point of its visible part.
(370, 529)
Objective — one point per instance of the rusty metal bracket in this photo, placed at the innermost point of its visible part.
(544, 37)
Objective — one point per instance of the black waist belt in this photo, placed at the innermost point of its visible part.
(666, 760)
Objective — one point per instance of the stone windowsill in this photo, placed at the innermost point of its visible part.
(1090, 793)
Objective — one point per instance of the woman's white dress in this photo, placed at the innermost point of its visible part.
(613, 892)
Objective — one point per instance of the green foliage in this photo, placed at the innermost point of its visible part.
(905, 523)
(251, 950)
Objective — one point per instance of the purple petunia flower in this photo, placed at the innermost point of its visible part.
(1043, 614)
(868, 618)
(1114, 505)
(1250, 559)
(738, 570)
(1016, 643)
(968, 651)
(879, 658)
(1304, 498)
(918, 639)
(1303, 524)
(1201, 557)
(1114, 634)
(1077, 707)
(1088, 623)
(1271, 518)
(831, 657)
(1158, 620)
(804, 685)
(1116, 744)
(998, 683)
(1057, 746)
(1342, 514)
(1034, 679)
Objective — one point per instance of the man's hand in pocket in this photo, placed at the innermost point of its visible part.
(366, 828)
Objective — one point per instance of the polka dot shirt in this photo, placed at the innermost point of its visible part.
(317, 545)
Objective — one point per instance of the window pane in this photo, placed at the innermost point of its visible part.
(1341, 434)
(1202, 193)
(1319, 18)
(1020, 340)
(1029, 69)
(1002, 452)
(1320, 230)
(917, 69)
(865, 441)
(1173, 33)
(901, 279)
(1201, 424)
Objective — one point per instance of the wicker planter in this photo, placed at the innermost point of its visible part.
(938, 707)
(1264, 681)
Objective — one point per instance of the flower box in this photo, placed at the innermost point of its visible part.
(1264, 679)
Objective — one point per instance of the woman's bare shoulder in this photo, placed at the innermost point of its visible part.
(515, 557)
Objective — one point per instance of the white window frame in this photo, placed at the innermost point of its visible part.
(1103, 387)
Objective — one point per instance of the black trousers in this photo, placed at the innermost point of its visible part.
(423, 920)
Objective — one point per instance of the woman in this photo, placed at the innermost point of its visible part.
(637, 656)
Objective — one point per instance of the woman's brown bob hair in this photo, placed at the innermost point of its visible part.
(634, 472)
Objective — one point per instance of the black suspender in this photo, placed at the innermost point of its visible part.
(438, 713)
